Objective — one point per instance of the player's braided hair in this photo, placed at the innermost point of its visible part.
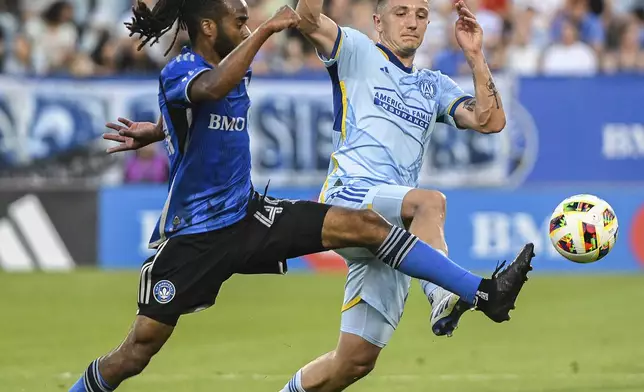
(152, 24)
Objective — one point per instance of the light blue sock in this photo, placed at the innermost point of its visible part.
(91, 381)
(406, 253)
(295, 385)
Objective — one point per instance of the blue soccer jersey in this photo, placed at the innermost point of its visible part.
(209, 150)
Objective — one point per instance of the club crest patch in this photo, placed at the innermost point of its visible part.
(427, 88)
(164, 291)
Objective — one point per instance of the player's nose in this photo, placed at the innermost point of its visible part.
(411, 24)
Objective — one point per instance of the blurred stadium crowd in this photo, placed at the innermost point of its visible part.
(527, 37)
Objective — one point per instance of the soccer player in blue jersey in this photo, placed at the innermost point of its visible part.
(385, 113)
(213, 223)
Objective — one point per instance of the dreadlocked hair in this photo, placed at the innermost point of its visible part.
(152, 24)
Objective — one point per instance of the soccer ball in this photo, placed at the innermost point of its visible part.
(583, 228)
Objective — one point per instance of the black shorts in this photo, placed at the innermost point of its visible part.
(186, 273)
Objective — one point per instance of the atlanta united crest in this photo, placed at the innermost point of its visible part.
(427, 87)
(164, 291)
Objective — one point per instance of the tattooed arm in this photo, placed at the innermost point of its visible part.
(485, 112)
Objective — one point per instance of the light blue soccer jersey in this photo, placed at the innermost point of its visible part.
(385, 114)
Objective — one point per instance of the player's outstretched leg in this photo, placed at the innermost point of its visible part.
(403, 251)
(353, 359)
(144, 340)
(423, 212)
(365, 332)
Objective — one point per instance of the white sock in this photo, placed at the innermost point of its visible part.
(430, 288)
(295, 385)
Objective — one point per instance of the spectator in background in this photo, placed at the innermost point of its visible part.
(3, 51)
(293, 54)
(626, 6)
(523, 56)
(448, 58)
(451, 60)
(10, 6)
(500, 7)
(490, 21)
(545, 8)
(493, 27)
(87, 37)
(151, 58)
(436, 34)
(18, 62)
(129, 60)
(630, 57)
(146, 165)
(362, 18)
(265, 59)
(52, 38)
(8, 21)
(570, 57)
(340, 11)
(590, 26)
(312, 62)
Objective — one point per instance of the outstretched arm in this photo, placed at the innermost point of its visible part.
(484, 113)
(217, 83)
(317, 27)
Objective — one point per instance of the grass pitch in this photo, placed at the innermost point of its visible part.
(569, 333)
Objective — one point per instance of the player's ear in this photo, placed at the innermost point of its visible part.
(209, 28)
(377, 22)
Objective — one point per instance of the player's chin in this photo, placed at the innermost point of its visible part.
(409, 48)
(410, 43)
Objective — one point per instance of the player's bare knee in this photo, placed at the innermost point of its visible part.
(425, 204)
(356, 367)
(359, 371)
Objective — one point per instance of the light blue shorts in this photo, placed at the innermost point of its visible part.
(375, 294)
(365, 321)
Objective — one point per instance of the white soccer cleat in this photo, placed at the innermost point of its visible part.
(447, 310)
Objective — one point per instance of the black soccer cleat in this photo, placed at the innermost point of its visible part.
(496, 296)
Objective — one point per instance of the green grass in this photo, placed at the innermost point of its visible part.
(580, 334)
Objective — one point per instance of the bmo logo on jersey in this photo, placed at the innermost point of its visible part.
(226, 123)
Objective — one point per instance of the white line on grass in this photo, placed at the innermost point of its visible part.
(154, 377)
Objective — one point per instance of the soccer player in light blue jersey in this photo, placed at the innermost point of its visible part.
(385, 113)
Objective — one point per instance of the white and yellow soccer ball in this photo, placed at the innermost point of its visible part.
(583, 228)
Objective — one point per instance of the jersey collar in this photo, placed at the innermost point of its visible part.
(392, 57)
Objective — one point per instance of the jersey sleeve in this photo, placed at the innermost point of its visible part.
(177, 76)
(348, 46)
(451, 95)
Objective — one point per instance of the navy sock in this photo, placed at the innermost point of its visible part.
(406, 253)
(91, 381)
